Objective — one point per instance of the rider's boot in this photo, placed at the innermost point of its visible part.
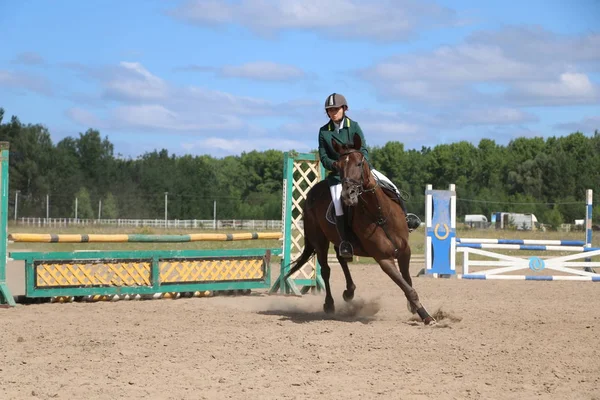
(346, 250)
(412, 220)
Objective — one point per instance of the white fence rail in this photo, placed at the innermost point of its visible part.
(225, 224)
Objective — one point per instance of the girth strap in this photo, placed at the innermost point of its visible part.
(382, 222)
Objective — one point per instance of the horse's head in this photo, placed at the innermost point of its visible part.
(354, 169)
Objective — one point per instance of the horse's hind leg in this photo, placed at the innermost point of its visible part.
(322, 248)
(404, 265)
(389, 267)
(328, 306)
(348, 294)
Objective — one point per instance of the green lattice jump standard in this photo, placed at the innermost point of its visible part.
(300, 172)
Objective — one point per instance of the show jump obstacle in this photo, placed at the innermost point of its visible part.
(94, 274)
(441, 246)
(301, 171)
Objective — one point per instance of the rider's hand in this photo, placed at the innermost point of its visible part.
(335, 165)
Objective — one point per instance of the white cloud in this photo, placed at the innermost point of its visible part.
(538, 45)
(223, 122)
(208, 100)
(158, 117)
(489, 116)
(528, 66)
(462, 63)
(586, 125)
(387, 20)
(144, 102)
(84, 118)
(29, 82)
(134, 82)
(389, 123)
(411, 134)
(568, 89)
(264, 71)
(391, 128)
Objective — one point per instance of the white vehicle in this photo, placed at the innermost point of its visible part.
(476, 221)
(475, 218)
(522, 222)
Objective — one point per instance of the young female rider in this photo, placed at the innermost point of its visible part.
(342, 129)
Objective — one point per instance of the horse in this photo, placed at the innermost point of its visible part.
(378, 225)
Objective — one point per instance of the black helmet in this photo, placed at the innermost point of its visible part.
(335, 100)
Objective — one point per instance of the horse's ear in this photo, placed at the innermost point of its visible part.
(357, 141)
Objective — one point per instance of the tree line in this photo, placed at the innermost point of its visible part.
(547, 177)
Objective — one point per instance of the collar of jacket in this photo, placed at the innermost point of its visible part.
(345, 121)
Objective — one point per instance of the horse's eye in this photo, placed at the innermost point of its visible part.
(360, 164)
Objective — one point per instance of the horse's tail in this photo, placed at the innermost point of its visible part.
(307, 253)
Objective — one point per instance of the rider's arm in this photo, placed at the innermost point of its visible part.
(325, 160)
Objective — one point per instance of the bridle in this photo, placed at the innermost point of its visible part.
(359, 186)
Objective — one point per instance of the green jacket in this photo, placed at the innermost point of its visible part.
(346, 135)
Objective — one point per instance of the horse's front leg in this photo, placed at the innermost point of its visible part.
(389, 267)
(348, 294)
(404, 265)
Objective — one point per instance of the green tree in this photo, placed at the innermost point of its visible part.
(596, 214)
(30, 161)
(84, 204)
(110, 209)
(553, 218)
(66, 176)
(96, 159)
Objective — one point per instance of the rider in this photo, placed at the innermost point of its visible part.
(341, 128)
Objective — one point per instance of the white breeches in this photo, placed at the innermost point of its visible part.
(336, 196)
(336, 191)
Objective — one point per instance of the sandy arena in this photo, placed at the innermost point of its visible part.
(494, 340)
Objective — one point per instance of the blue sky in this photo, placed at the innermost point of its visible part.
(223, 77)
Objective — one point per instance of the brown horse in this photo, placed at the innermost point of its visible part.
(378, 224)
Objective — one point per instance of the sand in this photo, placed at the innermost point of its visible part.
(493, 340)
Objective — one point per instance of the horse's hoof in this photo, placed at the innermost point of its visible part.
(429, 321)
(348, 295)
(329, 308)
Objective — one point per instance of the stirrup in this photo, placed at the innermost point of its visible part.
(413, 221)
(346, 250)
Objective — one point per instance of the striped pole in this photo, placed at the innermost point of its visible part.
(532, 277)
(137, 238)
(523, 242)
(528, 247)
